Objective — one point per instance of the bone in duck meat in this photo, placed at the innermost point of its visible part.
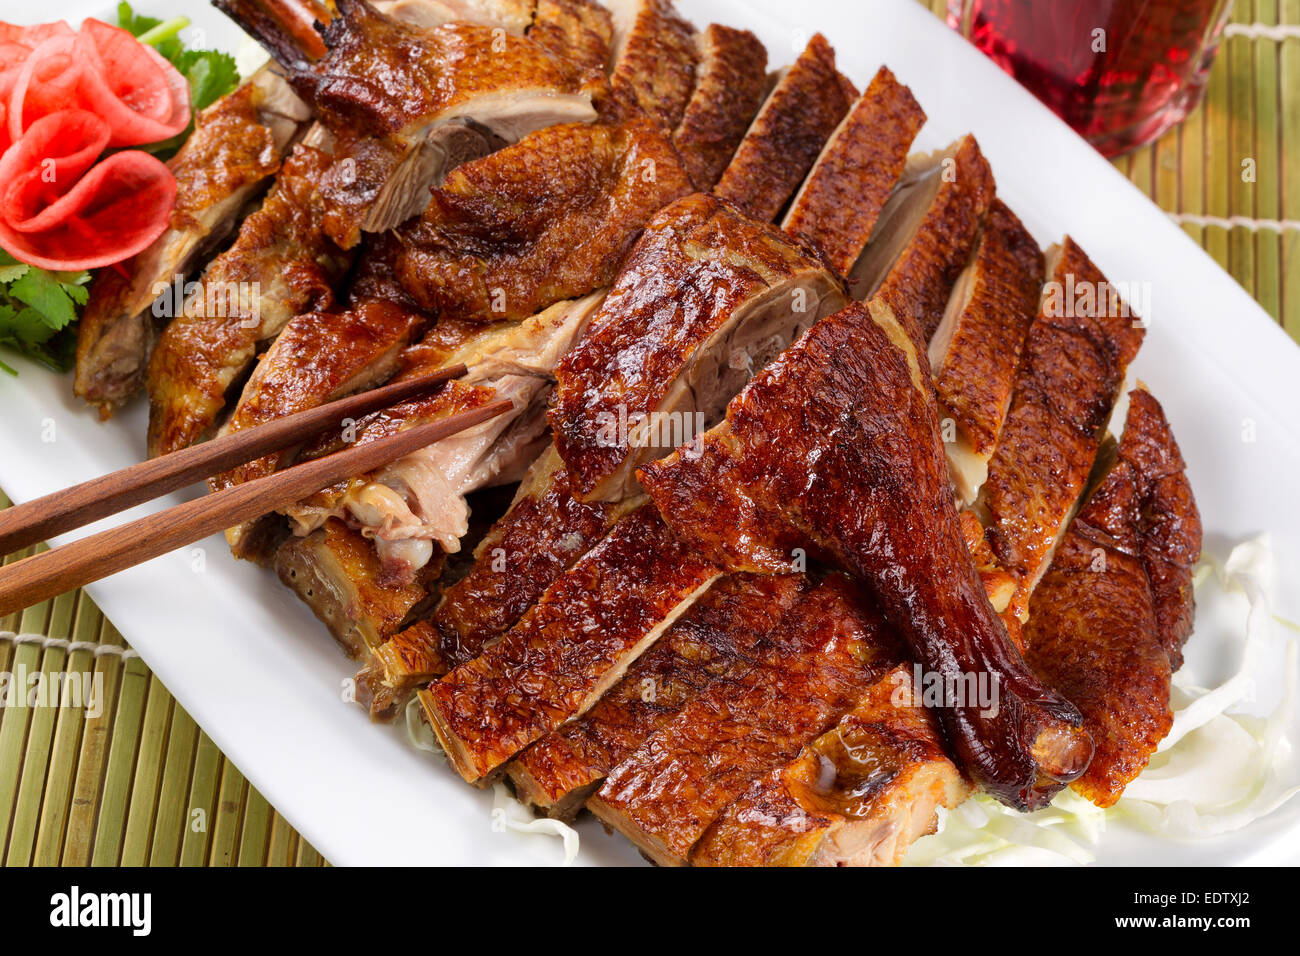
(838, 443)
(840, 201)
(719, 633)
(704, 297)
(579, 30)
(549, 218)
(730, 82)
(653, 57)
(1104, 629)
(859, 795)
(976, 349)
(571, 646)
(807, 103)
(281, 264)
(808, 671)
(233, 152)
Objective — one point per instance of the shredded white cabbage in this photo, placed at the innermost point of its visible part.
(1216, 772)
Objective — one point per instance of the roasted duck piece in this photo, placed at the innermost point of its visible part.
(853, 395)
(549, 218)
(840, 201)
(712, 640)
(653, 59)
(730, 82)
(220, 170)
(859, 795)
(281, 264)
(704, 297)
(571, 646)
(976, 349)
(1099, 623)
(807, 103)
(1072, 369)
(581, 31)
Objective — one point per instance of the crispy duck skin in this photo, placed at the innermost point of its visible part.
(1071, 371)
(809, 100)
(853, 396)
(569, 648)
(709, 641)
(233, 152)
(859, 795)
(837, 207)
(582, 31)
(654, 58)
(1095, 630)
(281, 264)
(730, 82)
(513, 16)
(976, 349)
(808, 671)
(549, 218)
(705, 296)
(924, 238)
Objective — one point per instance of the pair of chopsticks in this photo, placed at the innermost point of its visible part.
(42, 576)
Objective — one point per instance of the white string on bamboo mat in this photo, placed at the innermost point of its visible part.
(1263, 31)
(45, 642)
(1234, 222)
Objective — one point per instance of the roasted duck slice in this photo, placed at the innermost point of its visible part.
(280, 265)
(853, 396)
(220, 170)
(704, 298)
(840, 201)
(571, 646)
(653, 58)
(581, 31)
(976, 349)
(1096, 629)
(730, 82)
(710, 641)
(405, 103)
(807, 103)
(859, 795)
(1075, 358)
(549, 218)
(808, 671)
(514, 16)
(925, 236)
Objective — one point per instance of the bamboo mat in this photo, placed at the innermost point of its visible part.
(139, 783)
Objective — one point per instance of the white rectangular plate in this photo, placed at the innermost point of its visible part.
(264, 680)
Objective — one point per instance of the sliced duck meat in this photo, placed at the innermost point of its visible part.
(569, 648)
(653, 59)
(281, 264)
(808, 671)
(976, 350)
(807, 103)
(730, 83)
(705, 297)
(549, 218)
(1099, 620)
(854, 397)
(718, 635)
(925, 236)
(220, 170)
(581, 31)
(513, 16)
(1075, 358)
(840, 201)
(859, 795)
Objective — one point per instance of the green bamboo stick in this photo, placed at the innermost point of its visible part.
(282, 845)
(227, 816)
(1289, 178)
(1218, 158)
(1268, 150)
(25, 660)
(173, 811)
(1242, 153)
(202, 804)
(147, 775)
(119, 770)
(307, 855)
(255, 830)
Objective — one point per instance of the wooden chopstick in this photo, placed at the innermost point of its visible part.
(42, 576)
(42, 518)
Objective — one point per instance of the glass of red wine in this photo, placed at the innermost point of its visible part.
(1121, 72)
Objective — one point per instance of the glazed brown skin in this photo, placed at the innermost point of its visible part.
(697, 263)
(716, 636)
(840, 201)
(656, 67)
(852, 396)
(729, 85)
(578, 30)
(546, 219)
(1095, 630)
(284, 259)
(974, 382)
(788, 134)
(551, 666)
(868, 785)
(1070, 374)
(807, 672)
